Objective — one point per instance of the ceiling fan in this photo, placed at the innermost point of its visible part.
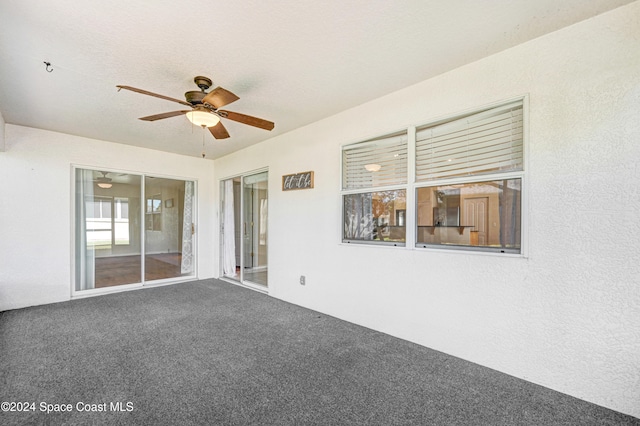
(205, 106)
(103, 181)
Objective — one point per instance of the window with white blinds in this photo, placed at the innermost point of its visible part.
(375, 163)
(486, 142)
(452, 184)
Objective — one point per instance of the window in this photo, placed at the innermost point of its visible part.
(153, 216)
(479, 214)
(121, 223)
(465, 181)
(473, 166)
(107, 221)
(486, 142)
(374, 178)
(99, 221)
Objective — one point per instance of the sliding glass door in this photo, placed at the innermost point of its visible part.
(244, 229)
(131, 229)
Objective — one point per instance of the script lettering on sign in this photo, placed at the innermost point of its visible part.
(302, 180)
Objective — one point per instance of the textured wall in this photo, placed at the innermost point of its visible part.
(2, 142)
(567, 314)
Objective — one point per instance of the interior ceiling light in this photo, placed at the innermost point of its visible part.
(204, 118)
(103, 181)
(106, 183)
(372, 167)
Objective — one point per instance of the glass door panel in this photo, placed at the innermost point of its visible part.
(244, 229)
(108, 249)
(168, 216)
(231, 228)
(254, 228)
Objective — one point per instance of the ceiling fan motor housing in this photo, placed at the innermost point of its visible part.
(194, 97)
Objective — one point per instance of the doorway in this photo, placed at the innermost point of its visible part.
(244, 229)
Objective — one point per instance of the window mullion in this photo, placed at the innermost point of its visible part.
(113, 222)
(411, 206)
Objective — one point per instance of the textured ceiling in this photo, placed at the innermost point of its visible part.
(292, 62)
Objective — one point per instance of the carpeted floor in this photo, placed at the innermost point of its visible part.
(211, 353)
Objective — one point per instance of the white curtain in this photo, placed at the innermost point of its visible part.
(186, 266)
(229, 235)
(85, 254)
(263, 222)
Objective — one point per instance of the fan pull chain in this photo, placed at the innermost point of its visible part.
(203, 141)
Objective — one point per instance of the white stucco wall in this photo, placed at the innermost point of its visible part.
(567, 315)
(36, 204)
(2, 143)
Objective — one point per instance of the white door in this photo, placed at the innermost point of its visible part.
(476, 215)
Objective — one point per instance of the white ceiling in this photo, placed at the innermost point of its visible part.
(292, 62)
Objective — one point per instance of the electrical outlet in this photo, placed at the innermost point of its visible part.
(302, 280)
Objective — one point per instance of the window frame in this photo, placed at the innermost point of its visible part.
(412, 185)
(403, 139)
(372, 191)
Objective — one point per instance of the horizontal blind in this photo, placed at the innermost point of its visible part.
(486, 142)
(390, 153)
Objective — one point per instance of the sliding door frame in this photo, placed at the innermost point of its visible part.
(76, 294)
(240, 278)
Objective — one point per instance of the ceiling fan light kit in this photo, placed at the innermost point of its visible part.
(202, 117)
(103, 181)
(205, 110)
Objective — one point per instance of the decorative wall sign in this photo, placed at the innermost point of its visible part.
(303, 180)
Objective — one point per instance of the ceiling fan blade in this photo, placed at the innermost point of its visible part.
(219, 97)
(247, 119)
(155, 95)
(163, 115)
(219, 131)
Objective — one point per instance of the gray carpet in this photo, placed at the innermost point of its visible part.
(211, 353)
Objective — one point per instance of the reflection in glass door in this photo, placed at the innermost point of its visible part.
(244, 228)
(113, 211)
